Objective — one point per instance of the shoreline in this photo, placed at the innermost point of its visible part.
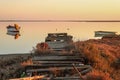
(11, 64)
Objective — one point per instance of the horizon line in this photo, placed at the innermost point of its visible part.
(60, 20)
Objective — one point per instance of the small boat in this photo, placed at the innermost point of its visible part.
(14, 28)
(58, 41)
(104, 33)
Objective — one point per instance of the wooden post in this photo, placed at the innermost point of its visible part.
(77, 71)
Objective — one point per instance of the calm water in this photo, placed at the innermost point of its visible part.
(35, 32)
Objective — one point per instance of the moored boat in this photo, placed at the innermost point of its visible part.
(58, 41)
(104, 33)
(14, 28)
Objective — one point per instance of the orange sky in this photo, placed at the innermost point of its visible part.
(59, 9)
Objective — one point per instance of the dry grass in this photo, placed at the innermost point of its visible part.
(102, 54)
(27, 62)
(97, 75)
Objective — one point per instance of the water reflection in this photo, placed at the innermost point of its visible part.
(15, 34)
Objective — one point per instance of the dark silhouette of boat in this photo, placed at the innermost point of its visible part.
(14, 28)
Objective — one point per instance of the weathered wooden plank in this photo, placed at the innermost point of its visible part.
(47, 78)
(29, 78)
(52, 65)
(86, 70)
(76, 69)
(55, 58)
(58, 68)
(51, 57)
(55, 62)
(62, 78)
(59, 54)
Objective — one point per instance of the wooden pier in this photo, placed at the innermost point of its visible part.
(57, 66)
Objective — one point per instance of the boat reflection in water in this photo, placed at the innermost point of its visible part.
(15, 34)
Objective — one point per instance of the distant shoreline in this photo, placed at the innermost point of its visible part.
(59, 20)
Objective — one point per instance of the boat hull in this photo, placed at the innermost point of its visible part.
(57, 45)
(12, 33)
(103, 33)
(12, 30)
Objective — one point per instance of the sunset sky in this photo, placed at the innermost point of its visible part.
(60, 9)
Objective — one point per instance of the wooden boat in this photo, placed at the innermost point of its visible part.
(104, 33)
(14, 28)
(58, 41)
